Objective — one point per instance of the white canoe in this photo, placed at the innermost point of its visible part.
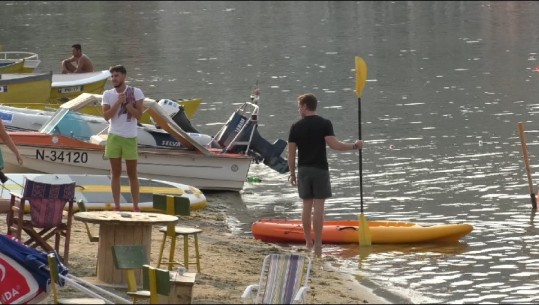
(94, 190)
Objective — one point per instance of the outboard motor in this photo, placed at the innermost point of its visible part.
(259, 147)
(177, 114)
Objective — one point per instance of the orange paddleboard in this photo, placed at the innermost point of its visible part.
(346, 231)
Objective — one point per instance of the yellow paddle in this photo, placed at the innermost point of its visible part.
(527, 164)
(361, 78)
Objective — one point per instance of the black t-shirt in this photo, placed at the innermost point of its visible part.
(309, 135)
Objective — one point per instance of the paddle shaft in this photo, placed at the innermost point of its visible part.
(361, 77)
(527, 164)
(360, 155)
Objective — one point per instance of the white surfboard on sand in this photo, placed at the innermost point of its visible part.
(95, 191)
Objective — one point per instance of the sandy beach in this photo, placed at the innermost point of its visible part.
(229, 263)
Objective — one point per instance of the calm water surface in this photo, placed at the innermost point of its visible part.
(447, 84)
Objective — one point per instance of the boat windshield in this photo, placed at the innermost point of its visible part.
(68, 123)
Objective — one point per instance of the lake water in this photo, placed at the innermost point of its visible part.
(447, 84)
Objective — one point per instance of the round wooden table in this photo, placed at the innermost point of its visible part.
(121, 228)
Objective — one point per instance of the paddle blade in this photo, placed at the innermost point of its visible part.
(361, 75)
(364, 231)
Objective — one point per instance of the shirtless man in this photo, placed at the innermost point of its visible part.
(78, 63)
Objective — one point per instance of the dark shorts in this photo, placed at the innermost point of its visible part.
(313, 183)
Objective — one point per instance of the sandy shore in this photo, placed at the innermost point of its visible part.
(228, 264)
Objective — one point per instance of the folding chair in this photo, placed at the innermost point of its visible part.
(283, 280)
(131, 258)
(46, 201)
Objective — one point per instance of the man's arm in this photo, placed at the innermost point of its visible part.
(292, 161)
(108, 110)
(135, 110)
(70, 59)
(335, 144)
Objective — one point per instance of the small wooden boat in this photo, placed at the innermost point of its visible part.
(58, 89)
(94, 190)
(346, 231)
(68, 86)
(30, 61)
(49, 91)
(23, 87)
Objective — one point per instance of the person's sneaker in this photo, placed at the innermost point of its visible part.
(117, 209)
(137, 209)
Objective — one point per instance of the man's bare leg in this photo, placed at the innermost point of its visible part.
(131, 166)
(306, 221)
(115, 172)
(318, 225)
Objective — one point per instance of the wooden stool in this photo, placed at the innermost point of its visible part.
(179, 206)
(173, 232)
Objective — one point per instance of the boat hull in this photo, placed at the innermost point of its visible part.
(64, 155)
(94, 190)
(11, 66)
(346, 231)
(21, 88)
(68, 86)
(53, 89)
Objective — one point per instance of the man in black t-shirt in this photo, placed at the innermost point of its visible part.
(309, 136)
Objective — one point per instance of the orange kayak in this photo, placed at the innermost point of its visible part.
(346, 231)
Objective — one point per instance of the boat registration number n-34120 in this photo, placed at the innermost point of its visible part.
(62, 156)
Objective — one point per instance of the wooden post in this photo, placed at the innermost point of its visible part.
(527, 164)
